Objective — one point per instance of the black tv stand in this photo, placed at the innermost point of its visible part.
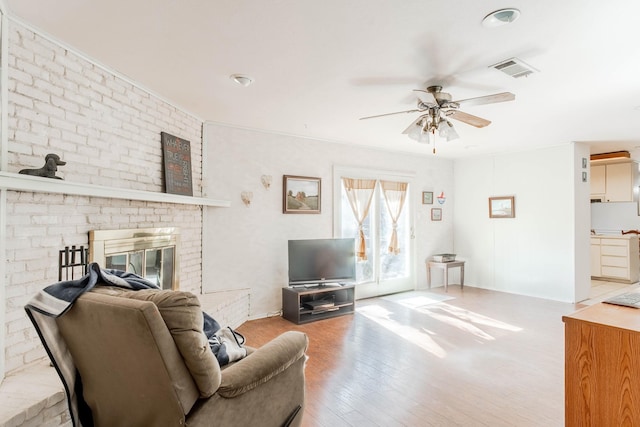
(331, 301)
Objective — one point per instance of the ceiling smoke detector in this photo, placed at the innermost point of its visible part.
(514, 67)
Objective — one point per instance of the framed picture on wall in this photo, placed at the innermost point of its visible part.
(301, 194)
(436, 214)
(176, 153)
(427, 197)
(502, 207)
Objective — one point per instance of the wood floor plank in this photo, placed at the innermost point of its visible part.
(477, 358)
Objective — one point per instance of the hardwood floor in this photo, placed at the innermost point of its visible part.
(480, 358)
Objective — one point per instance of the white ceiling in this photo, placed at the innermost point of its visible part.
(320, 65)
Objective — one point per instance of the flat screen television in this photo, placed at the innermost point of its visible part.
(321, 261)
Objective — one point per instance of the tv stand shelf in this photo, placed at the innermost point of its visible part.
(335, 301)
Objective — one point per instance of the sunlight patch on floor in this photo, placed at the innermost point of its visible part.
(417, 299)
(382, 316)
(433, 305)
(477, 318)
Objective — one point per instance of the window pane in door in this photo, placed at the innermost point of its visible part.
(364, 269)
(393, 266)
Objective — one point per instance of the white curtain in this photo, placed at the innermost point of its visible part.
(360, 192)
(395, 194)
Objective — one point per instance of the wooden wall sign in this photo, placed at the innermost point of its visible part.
(177, 165)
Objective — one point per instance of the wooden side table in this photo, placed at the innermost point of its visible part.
(445, 266)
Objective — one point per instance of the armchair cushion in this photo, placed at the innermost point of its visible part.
(263, 364)
(183, 316)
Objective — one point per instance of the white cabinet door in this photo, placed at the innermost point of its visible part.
(598, 180)
(595, 257)
(619, 182)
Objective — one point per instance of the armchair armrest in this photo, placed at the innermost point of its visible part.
(263, 364)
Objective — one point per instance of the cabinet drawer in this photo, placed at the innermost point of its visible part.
(614, 272)
(622, 251)
(595, 241)
(614, 242)
(614, 261)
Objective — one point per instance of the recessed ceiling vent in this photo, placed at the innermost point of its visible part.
(514, 67)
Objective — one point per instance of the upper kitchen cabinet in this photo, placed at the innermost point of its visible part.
(598, 180)
(614, 182)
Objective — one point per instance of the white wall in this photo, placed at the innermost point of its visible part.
(582, 223)
(246, 247)
(533, 253)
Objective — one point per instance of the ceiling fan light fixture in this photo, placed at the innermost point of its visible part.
(241, 79)
(446, 130)
(419, 133)
(500, 17)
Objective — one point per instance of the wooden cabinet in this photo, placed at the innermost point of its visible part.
(619, 258)
(615, 182)
(331, 301)
(602, 385)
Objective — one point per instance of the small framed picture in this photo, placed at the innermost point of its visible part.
(502, 207)
(427, 197)
(436, 214)
(301, 195)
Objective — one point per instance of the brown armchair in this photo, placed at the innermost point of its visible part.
(137, 368)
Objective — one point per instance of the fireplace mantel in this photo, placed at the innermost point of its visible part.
(19, 182)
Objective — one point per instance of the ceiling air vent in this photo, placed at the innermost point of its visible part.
(514, 67)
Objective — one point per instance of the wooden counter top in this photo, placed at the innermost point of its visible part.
(610, 315)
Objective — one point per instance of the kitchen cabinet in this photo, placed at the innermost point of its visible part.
(614, 182)
(595, 257)
(619, 258)
(598, 186)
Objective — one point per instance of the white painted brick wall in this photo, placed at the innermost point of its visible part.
(106, 129)
(108, 132)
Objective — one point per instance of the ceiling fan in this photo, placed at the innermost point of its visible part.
(438, 108)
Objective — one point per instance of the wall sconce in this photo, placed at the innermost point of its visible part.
(441, 198)
(246, 197)
(266, 181)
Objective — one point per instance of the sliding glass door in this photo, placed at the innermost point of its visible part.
(379, 216)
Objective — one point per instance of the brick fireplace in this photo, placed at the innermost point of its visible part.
(107, 129)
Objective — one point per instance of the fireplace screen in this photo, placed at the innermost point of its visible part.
(150, 253)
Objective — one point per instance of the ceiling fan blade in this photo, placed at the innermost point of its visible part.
(414, 123)
(469, 119)
(427, 97)
(488, 99)
(389, 114)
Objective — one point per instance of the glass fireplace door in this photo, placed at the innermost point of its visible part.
(158, 264)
